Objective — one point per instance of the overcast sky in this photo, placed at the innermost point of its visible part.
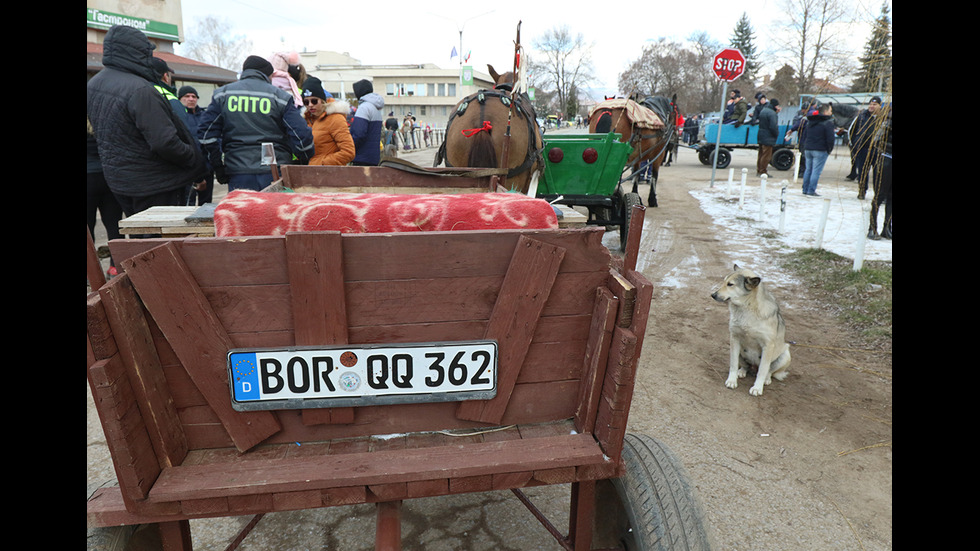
(426, 31)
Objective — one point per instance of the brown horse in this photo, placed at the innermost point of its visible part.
(476, 130)
(647, 129)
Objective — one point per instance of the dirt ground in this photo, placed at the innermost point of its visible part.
(805, 466)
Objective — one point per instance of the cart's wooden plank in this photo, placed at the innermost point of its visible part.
(100, 338)
(617, 388)
(525, 290)
(183, 314)
(262, 260)
(125, 314)
(126, 436)
(596, 356)
(316, 274)
(264, 308)
(626, 292)
(381, 467)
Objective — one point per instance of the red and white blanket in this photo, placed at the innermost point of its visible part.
(243, 213)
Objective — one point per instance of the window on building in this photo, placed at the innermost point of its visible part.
(442, 89)
(431, 89)
(451, 89)
(390, 89)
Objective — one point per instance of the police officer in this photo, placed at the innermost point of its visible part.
(245, 114)
(165, 84)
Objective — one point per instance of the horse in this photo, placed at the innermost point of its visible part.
(477, 127)
(647, 126)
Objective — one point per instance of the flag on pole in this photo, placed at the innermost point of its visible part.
(467, 58)
(454, 54)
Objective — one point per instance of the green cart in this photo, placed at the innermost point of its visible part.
(585, 170)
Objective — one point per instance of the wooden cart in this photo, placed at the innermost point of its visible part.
(566, 318)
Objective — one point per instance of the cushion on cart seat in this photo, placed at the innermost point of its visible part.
(243, 213)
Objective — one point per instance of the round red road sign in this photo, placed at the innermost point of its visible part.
(729, 64)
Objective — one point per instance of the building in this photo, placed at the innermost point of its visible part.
(162, 23)
(426, 91)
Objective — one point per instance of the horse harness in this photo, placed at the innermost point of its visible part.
(524, 107)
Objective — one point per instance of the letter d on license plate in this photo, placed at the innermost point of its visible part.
(361, 375)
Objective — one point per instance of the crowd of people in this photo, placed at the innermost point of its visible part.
(151, 144)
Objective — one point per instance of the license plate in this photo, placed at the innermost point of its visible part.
(361, 375)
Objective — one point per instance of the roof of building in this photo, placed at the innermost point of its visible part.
(185, 69)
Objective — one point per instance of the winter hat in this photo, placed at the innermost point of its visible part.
(875, 99)
(160, 66)
(259, 63)
(184, 90)
(313, 87)
(774, 103)
(362, 88)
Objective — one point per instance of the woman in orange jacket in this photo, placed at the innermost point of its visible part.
(327, 118)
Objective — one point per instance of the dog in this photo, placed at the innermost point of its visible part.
(756, 328)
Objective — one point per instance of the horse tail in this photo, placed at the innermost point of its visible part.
(604, 124)
(482, 152)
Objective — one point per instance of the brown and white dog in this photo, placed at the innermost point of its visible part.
(756, 328)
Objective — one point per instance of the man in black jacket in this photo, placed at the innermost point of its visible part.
(148, 154)
(864, 128)
(768, 134)
(242, 117)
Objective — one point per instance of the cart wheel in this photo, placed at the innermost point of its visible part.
(629, 201)
(783, 159)
(724, 157)
(653, 506)
(704, 157)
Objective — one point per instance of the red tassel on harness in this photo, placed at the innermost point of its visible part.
(472, 132)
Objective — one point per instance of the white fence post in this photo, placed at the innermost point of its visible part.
(782, 207)
(741, 194)
(864, 222)
(823, 222)
(762, 198)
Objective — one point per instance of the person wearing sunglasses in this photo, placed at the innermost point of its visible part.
(327, 118)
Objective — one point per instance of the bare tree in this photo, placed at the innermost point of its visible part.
(666, 68)
(566, 64)
(212, 42)
(814, 40)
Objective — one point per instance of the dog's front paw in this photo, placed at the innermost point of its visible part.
(756, 389)
(742, 372)
(731, 382)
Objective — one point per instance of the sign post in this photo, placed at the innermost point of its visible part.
(728, 65)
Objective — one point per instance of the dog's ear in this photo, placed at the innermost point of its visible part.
(752, 282)
(735, 269)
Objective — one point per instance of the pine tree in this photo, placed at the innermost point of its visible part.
(742, 40)
(876, 63)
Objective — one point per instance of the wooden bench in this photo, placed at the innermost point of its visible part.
(568, 318)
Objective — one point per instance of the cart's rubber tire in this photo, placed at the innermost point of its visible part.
(629, 201)
(724, 158)
(704, 156)
(652, 507)
(783, 159)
